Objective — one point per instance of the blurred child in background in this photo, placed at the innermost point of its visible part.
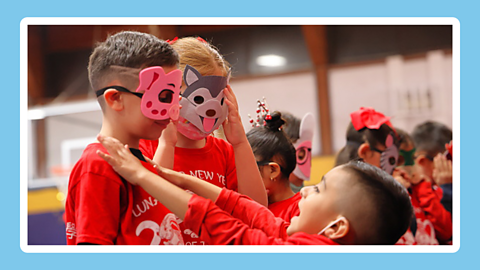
(371, 138)
(423, 199)
(434, 171)
(300, 133)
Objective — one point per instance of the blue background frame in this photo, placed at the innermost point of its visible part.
(15, 258)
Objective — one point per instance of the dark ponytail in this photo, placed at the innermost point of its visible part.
(269, 140)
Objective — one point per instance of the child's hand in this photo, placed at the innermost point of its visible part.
(121, 159)
(176, 178)
(233, 126)
(169, 135)
(402, 177)
(442, 170)
(418, 175)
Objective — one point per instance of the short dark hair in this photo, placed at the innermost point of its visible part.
(270, 141)
(393, 210)
(431, 137)
(129, 49)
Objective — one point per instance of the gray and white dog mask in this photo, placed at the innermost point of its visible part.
(202, 104)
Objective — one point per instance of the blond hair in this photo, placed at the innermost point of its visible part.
(201, 55)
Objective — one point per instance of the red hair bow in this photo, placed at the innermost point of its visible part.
(172, 41)
(369, 118)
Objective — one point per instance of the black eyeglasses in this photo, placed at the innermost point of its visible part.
(426, 155)
(266, 162)
(377, 150)
(118, 88)
(263, 163)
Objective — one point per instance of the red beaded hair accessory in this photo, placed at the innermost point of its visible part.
(263, 113)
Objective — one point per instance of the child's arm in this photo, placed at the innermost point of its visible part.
(434, 210)
(233, 203)
(442, 174)
(131, 169)
(165, 153)
(249, 179)
(125, 164)
(219, 228)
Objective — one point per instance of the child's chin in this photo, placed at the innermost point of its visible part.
(292, 227)
(190, 131)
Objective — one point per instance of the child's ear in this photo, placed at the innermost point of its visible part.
(274, 170)
(421, 160)
(113, 99)
(363, 150)
(339, 229)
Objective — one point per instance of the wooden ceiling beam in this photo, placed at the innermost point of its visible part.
(316, 40)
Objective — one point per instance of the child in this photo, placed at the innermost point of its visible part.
(203, 110)
(430, 139)
(354, 204)
(300, 133)
(372, 138)
(276, 161)
(101, 207)
(421, 231)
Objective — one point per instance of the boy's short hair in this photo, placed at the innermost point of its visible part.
(128, 49)
(431, 137)
(390, 216)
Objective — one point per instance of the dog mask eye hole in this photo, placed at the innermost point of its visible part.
(198, 100)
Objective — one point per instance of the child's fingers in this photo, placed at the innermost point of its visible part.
(155, 165)
(232, 111)
(106, 157)
(231, 96)
(114, 147)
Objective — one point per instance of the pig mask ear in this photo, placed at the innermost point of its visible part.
(190, 75)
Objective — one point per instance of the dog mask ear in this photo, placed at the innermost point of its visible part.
(191, 75)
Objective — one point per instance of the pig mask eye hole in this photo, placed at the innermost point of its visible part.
(221, 102)
(198, 100)
(166, 96)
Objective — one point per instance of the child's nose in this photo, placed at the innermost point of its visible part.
(304, 192)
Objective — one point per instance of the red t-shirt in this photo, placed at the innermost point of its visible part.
(214, 163)
(425, 232)
(102, 208)
(430, 202)
(286, 209)
(243, 222)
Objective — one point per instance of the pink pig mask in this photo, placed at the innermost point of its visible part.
(160, 100)
(303, 147)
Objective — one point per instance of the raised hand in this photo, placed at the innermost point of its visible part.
(233, 126)
(419, 175)
(442, 170)
(402, 177)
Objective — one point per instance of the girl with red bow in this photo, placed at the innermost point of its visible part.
(371, 138)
